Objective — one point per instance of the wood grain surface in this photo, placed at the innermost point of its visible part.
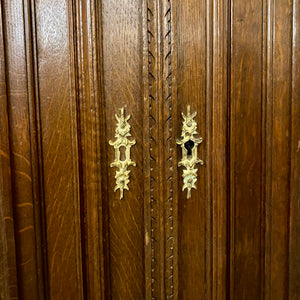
(67, 67)
(246, 151)
(123, 87)
(192, 213)
(8, 268)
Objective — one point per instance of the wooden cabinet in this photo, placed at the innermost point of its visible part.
(67, 67)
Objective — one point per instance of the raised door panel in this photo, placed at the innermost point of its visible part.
(263, 155)
(43, 149)
(201, 52)
(122, 61)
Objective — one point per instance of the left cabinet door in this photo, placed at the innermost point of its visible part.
(66, 69)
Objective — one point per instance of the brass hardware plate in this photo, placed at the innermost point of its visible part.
(122, 133)
(189, 144)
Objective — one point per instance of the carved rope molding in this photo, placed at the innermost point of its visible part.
(162, 150)
(122, 133)
(170, 148)
(153, 134)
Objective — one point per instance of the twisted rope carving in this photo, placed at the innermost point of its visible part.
(153, 109)
(169, 146)
(160, 100)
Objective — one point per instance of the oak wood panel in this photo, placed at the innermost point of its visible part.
(8, 270)
(88, 62)
(294, 217)
(191, 62)
(23, 161)
(219, 144)
(58, 121)
(279, 151)
(246, 193)
(202, 40)
(123, 86)
(268, 93)
(261, 146)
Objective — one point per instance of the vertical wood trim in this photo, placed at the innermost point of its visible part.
(8, 270)
(25, 157)
(148, 67)
(294, 221)
(268, 133)
(78, 113)
(80, 85)
(280, 169)
(160, 181)
(280, 150)
(152, 94)
(173, 60)
(76, 156)
(36, 151)
(264, 145)
(155, 146)
(169, 99)
(231, 205)
(219, 145)
(209, 247)
(102, 163)
(89, 92)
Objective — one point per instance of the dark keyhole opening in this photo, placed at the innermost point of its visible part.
(122, 153)
(189, 145)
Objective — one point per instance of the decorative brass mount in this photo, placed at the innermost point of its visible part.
(122, 133)
(189, 145)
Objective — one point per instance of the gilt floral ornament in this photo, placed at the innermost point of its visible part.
(189, 144)
(122, 133)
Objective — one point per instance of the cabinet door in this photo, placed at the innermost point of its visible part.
(237, 66)
(149, 149)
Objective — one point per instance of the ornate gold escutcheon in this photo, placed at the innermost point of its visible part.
(189, 144)
(122, 133)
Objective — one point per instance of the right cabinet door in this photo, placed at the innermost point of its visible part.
(238, 68)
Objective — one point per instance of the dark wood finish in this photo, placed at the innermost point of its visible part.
(59, 147)
(193, 214)
(20, 102)
(160, 154)
(278, 151)
(261, 122)
(8, 269)
(294, 216)
(123, 86)
(219, 158)
(87, 31)
(66, 69)
(246, 151)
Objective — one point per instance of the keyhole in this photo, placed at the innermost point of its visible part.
(122, 153)
(189, 145)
